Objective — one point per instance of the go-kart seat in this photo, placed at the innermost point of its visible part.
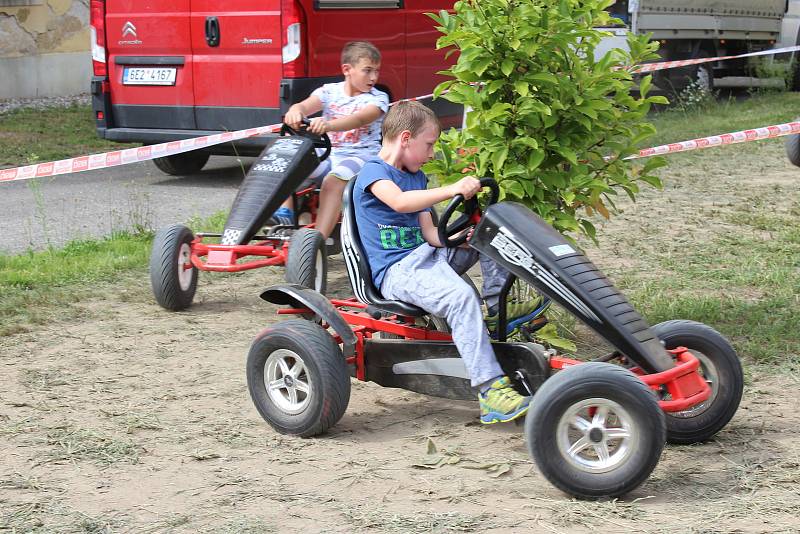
(358, 268)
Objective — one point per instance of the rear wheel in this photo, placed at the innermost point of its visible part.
(721, 369)
(595, 430)
(792, 146)
(307, 260)
(172, 275)
(181, 164)
(298, 378)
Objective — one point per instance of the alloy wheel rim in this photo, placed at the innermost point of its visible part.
(318, 271)
(596, 435)
(185, 268)
(287, 381)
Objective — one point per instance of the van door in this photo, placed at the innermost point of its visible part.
(334, 23)
(150, 64)
(424, 61)
(237, 63)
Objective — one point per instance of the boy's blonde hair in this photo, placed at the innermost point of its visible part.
(408, 115)
(355, 50)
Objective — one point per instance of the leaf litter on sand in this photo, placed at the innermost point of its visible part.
(435, 459)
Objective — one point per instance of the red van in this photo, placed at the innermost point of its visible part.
(172, 69)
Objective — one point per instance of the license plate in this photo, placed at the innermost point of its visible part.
(148, 76)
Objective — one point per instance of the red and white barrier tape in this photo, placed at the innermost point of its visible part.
(129, 155)
(145, 153)
(136, 155)
(743, 136)
(650, 67)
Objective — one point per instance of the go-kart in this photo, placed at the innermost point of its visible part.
(279, 173)
(595, 429)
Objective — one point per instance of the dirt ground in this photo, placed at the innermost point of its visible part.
(134, 419)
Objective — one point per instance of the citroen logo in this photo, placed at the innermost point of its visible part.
(128, 29)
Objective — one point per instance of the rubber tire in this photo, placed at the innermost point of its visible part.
(164, 276)
(704, 339)
(325, 365)
(792, 146)
(586, 381)
(182, 164)
(301, 264)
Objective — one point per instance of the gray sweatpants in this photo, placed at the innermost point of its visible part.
(430, 278)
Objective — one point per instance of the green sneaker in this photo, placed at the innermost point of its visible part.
(502, 403)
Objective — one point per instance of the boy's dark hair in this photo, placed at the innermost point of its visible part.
(408, 115)
(355, 50)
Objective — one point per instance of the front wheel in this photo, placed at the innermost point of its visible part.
(172, 275)
(595, 430)
(721, 369)
(298, 378)
(307, 260)
(181, 164)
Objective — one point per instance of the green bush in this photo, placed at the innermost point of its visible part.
(545, 114)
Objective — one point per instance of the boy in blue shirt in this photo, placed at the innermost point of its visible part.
(408, 263)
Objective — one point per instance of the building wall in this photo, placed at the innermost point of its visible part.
(44, 48)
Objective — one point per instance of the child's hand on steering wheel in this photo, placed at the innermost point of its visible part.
(468, 187)
(318, 126)
(293, 118)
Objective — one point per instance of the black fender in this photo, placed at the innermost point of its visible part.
(298, 296)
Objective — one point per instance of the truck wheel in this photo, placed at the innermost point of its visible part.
(307, 260)
(792, 146)
(298, 378)
(181, 164)
(595, 430)
(721, 368)
(172, 275)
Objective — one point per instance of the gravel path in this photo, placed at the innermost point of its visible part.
(44, 102)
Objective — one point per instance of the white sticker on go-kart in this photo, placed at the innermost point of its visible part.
(272, 163)
(562, 250)
(515, 253)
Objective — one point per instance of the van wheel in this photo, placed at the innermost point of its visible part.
(721, 369)
(298, 378)
(307, 260)
(181, 164)
(792, 146)
(172, 275)
(595, 430)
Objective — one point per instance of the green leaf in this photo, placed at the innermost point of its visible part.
(498, 158)
(507, 66)
(514, 188)
(535, 159)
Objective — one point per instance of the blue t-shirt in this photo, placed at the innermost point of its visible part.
(387, 236)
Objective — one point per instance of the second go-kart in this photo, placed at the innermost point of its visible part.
(596, 429)
(279, 173)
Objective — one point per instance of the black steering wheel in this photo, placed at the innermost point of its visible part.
(320, 141)
(471, 215)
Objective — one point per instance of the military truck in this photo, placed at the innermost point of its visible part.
(689, 29)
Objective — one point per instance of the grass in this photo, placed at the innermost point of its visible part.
(34, 283)
(69, 443)
(35, 135)
(727, 114)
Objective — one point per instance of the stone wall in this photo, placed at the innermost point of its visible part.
(44, 48)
